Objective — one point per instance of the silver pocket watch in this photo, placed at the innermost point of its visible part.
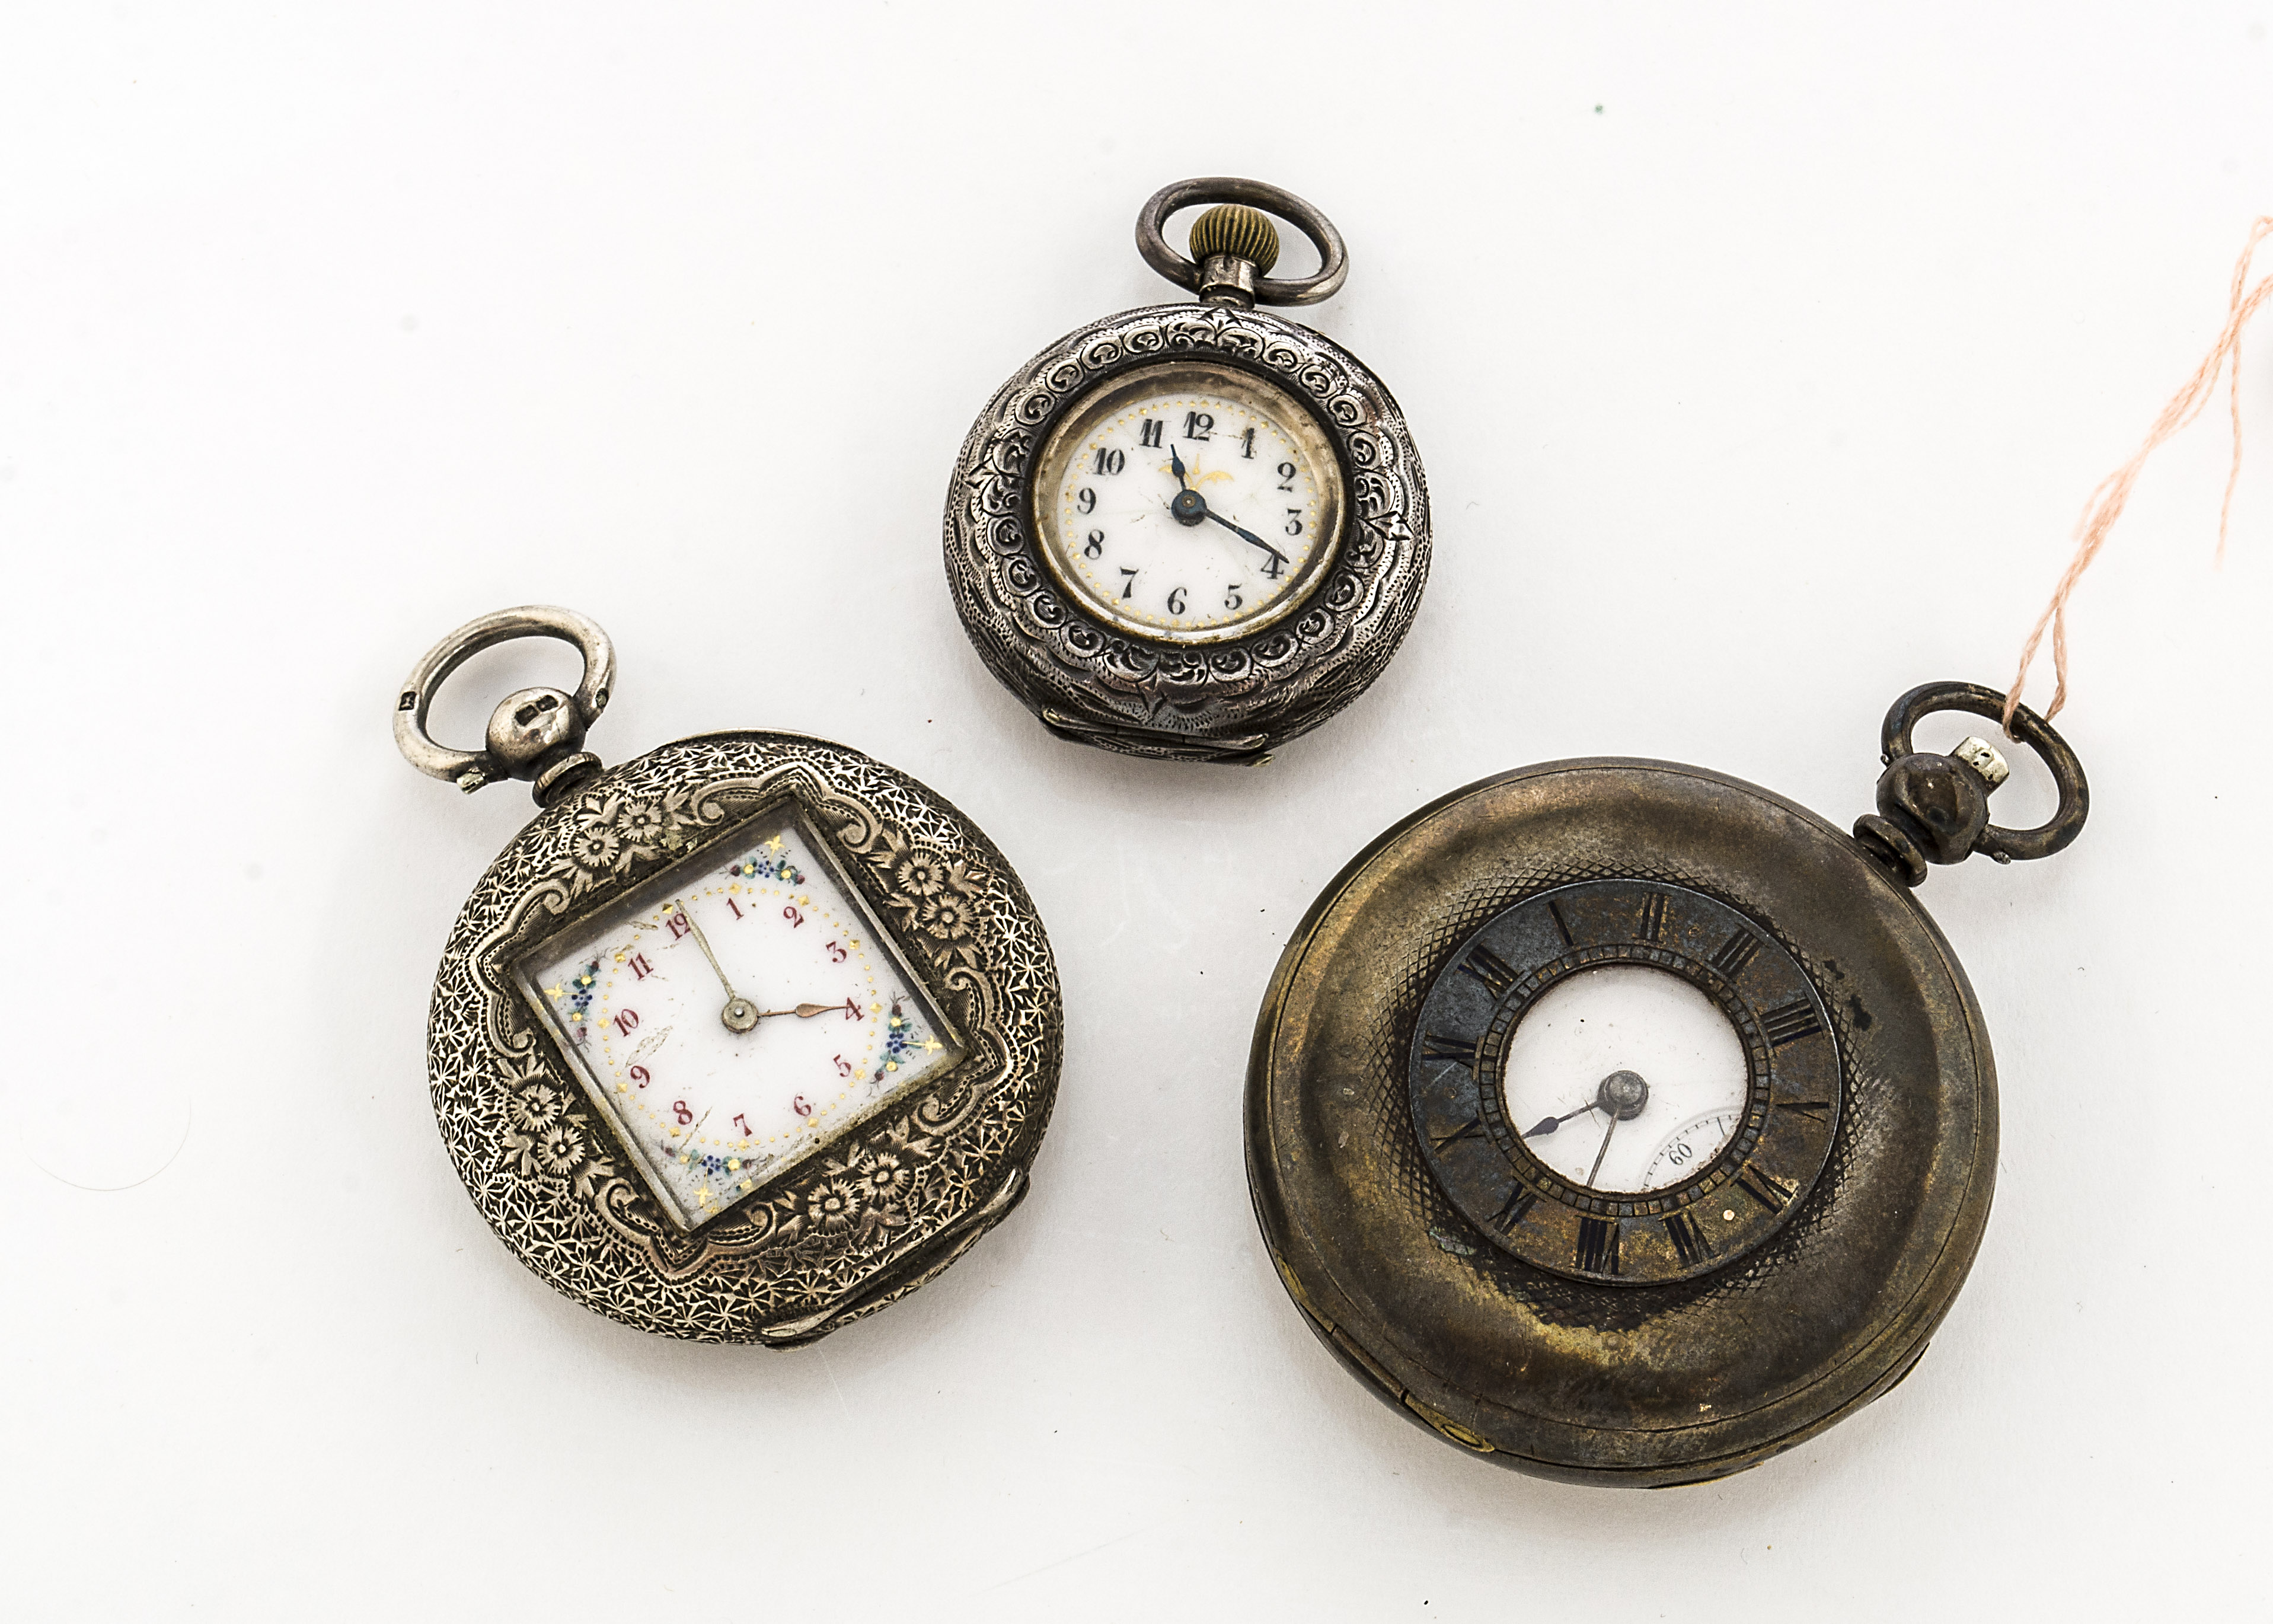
(1193, 531)
(741, 1040)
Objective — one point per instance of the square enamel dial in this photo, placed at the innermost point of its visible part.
(732, 1018)
(1624, 1081)
(1189, 503)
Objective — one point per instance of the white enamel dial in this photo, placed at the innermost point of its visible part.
(1638, 1040)
(1188, 504)
(732, 1017)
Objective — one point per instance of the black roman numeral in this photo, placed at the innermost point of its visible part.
(1459, 1051)
(1652, 917)
(1150, 433)
(1772, 1194)
(1516, 1207)
(1562, 925)
(1489, 969)
(1688, 1240)
(1598, 1245)
(1788, 1023)
(1814, 1111)
(1737, 951)
(1472, 1129)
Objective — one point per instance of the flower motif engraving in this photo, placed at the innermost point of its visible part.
(559, 1150)
(536, 1107)
(613, 831)
(866, 1191)
(921, 874)
(934, 895)
(834, 1204)
(885, 1179)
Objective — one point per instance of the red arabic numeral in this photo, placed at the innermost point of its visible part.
(626, 1019)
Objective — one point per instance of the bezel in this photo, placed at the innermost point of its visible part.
(1137, 381)
(675, 872)
(1789, 1148)
(766, 1270)
(1090, 679)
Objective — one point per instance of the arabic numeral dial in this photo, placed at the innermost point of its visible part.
(1188, 502)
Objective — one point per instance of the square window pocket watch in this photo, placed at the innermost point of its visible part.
(1193, 532)
(737, 1041)
(1629, 1123)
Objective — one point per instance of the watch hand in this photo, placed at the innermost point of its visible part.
(803, 1011)
(1553, 1123)
(1248, 535)
(1605, 1150)
(740, 1014)
(1176, 464)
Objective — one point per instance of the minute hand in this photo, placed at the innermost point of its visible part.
(1247, 535)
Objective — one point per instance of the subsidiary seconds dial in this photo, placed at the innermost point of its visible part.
(1189, 503)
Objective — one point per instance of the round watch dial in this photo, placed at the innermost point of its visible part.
(1624, 1081)
(1682, 1061)
(1188, 503)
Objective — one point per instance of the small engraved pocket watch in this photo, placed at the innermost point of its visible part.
(1193, 532)
(1630, 1123)
(741, 1040)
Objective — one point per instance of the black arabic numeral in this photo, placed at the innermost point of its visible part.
(1150, 433)
(1198, 425)
(1110, 462)
(1285, 476)
(1094, 547)
(1086, 500)
(1175, 600)
(1247, 445)
(1293, 520)
(1231, 597)
(1274, 567)
(1128, 581)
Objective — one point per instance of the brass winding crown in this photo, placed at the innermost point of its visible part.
(1236, 229)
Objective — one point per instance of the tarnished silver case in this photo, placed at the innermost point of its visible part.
(769, 1270)
(1229, 701)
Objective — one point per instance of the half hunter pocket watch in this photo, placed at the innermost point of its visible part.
(737, 1041)
(1193, 532)
(1630, 1123)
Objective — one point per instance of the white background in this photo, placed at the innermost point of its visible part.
(1761, 361)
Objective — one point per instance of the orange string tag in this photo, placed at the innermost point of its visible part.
(2106, 503)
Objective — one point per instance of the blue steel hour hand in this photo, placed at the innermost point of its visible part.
(1176, 464)
(1248, 535)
